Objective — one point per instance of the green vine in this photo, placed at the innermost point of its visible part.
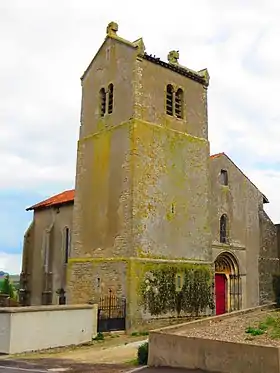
(160, 293)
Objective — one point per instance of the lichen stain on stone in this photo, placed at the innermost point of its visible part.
(162, 163)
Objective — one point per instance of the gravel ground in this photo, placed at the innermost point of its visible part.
(233, 329)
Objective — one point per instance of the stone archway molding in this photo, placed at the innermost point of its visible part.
(227, 264)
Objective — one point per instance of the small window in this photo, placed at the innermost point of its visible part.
(179, 282)
(224, 177)
(102, 99)
(179, 103)
(111, 98)
(169, 100)
(224, 229)
(67, 243)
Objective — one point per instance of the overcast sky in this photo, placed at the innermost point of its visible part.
(46, 45)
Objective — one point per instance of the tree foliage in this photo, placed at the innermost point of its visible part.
(7, 288)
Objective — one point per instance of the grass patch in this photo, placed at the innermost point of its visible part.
(133, 363)
(254, 331)
(270, 326)
(139, 334)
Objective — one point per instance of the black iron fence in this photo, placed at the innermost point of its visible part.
(111, 313)
(235, 296)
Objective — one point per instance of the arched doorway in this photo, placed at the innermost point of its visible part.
(227, 284)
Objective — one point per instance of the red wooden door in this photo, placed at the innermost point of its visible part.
(220, 290)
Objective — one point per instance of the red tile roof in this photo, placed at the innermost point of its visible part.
(58, 199)
(216, 155)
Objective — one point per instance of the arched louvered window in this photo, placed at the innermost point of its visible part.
(110, 98)
(179, 100)
(224, 229)
(169, 99)
(102, 98)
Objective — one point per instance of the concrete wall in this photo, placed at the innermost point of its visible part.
(179, 351)
(169, 347)
(241, 201)
(35, 328)
(55, 220)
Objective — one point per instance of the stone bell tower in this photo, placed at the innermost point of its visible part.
(142, 170)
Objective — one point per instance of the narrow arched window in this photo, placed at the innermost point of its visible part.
(169, 99)
(224, 177)
(224, 229)
(46, 250)
(110, 98)
(179, 99)
(66, 243)
(102, 100)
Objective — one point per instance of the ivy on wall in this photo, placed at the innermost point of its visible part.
(166, 290)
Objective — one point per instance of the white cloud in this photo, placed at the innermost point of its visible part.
(46, 45)
(268, 181)
(10, 263)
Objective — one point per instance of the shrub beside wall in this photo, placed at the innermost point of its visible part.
(142, 354)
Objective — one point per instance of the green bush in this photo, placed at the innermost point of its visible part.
(276, 288)
(99, 337)
(7, 288)
(142, 355)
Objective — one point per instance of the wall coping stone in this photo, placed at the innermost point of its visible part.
(46, 308)
(212, 319)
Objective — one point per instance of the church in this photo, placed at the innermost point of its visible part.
(149, 199)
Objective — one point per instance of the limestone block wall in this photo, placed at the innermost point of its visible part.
(240, 201)
(102, 207)
(89, 279)
(268, 257)
(151, 81)
(170, 193)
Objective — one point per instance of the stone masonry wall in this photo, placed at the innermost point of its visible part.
(170, 193)
(268, 257)
(240, 201)
(152, 80)
(91, 279)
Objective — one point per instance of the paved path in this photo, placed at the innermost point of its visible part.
(17, 366)
(169, 370)
(10, 369)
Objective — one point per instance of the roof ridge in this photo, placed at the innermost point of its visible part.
(56, 199)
